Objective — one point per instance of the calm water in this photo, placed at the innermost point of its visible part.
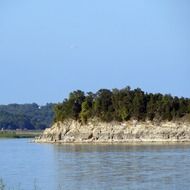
(55, 167)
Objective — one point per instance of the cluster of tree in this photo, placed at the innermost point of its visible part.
(26, 116)
(121, 105)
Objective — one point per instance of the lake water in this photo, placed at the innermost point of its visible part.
(26, 166)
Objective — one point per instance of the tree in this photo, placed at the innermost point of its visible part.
(103, 104)
(139, 107)
(121, 105)
(85, 112)
(76, 99)
(150, 107)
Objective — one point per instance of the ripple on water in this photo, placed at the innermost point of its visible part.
(94, 166)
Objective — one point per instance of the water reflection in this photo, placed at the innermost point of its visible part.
(122, 166)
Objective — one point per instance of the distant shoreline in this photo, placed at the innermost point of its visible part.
(19, 134)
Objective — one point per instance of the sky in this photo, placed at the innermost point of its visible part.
(49, 48)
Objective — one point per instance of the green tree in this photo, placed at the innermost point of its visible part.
(121, 105)
(85, 112)
(76, 99)
(139, 107)
(103, 104)
(150, 107)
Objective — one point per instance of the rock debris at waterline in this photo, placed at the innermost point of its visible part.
(100, 132)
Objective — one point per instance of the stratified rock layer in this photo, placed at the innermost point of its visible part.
(132, 131)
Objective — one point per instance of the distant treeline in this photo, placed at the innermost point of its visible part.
(25, 116)
(121, 105)
(105, 105)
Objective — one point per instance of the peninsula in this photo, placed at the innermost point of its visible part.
(119, 116)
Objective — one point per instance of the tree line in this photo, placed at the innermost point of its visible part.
(121, 105)
(105, 105)
(26, 116)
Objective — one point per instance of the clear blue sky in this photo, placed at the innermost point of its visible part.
(51, 47)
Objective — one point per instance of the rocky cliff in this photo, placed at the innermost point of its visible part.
(132, 131)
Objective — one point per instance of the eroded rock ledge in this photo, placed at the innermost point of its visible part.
(131, 131)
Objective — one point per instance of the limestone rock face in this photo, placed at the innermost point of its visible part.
(131, 131)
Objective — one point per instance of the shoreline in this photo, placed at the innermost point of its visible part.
(114, 133)
(13, 134)
(130, 143)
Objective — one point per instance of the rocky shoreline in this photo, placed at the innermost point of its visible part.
(115, 132)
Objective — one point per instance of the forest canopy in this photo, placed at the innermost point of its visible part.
(26, 116)
(121, 105)
(105, 105)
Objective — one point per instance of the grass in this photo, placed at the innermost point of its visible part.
(2, 185)
(19, 134)
(35, 186)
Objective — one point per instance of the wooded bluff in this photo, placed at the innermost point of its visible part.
(122, 105)
(105, 105)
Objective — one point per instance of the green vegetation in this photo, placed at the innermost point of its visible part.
(2, 185)
(19, 134)
(33, 186)
(105, 105)
(26, 116)
(121, 105)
